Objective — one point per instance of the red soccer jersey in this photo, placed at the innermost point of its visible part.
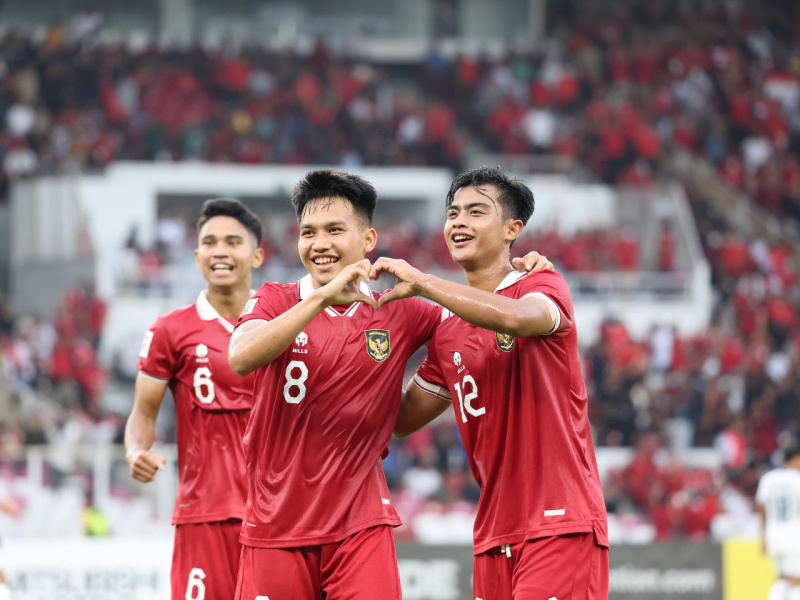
(521, 408)
(189, 348)
(322, 419)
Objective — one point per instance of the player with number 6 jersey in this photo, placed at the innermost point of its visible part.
(186, 351)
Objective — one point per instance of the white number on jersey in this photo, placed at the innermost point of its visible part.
(203, 386)
(465, 402)
(295, 383)
(196, 577)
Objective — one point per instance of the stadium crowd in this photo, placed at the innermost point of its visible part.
(609, 95)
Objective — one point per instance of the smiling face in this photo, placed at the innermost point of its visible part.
(332, 236)
(476, 231)
(227, 252)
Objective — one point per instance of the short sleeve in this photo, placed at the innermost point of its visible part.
(424, 318)
(552, 288)
(429, 377)
(265, 305)
(155, 356)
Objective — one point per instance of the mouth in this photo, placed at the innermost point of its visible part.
(325, 262)
(221, 268)
(460, 239)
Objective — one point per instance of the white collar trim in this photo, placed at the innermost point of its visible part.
(510, 280)
(208, 313)
(306, 286)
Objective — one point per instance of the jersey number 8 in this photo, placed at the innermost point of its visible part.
(295, 389)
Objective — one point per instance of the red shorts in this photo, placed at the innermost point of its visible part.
(360, 567)
(205, 560)
(567, 567)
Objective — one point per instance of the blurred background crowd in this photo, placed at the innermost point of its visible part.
(609, 93)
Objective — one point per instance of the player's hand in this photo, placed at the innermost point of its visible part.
(407, 279)
(532, 261)
(9, 507)
(345, 287)
(144, 464)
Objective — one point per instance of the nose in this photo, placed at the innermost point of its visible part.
(321, 242)
(221, 248)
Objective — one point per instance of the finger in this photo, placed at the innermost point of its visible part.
(388, 297)
(550, 266)
(366, 300)
(518, 263)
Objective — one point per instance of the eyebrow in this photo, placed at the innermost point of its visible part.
(324, 225)
(233, 236)
(469, 206)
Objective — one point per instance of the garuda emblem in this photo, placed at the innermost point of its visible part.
(378, 344)
(505, 341)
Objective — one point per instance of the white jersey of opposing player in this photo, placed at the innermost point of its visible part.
(779, 494)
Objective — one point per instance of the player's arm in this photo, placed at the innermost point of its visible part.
(140, 431)
(418, 408)
(257, 342)
(520, 317)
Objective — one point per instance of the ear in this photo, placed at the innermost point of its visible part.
(258, 258)
(513, 229)
(370, 240)
(197, 257)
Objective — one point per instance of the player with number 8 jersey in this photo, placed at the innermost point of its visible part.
(323, 416)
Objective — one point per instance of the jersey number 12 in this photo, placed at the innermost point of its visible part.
(465, 401)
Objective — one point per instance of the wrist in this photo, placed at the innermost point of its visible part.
(318, 299)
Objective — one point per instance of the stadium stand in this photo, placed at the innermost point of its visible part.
(612, 94)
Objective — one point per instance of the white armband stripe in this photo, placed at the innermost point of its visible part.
(161, 379)
(437, 390)
(551, 303)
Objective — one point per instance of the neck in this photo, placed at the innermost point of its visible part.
(488, 277)
(793, 464)
(229, 302)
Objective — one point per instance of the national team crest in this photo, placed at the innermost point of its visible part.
(505, 341)
(378, 344)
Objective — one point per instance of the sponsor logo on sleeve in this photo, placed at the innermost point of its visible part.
(144, 352)
(248, 308)
(505, 341)
(378, 344)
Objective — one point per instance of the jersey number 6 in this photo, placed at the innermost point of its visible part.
(203, 386)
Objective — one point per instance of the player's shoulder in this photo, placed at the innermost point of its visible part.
(176, 318)
(273, 288)
(519, 283)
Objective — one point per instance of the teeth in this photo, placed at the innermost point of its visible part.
(221, 268)
(324, 260)
(461, 238)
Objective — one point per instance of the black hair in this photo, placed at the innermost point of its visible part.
(516, 198)
(224, 207)
(326, 184)
(792, 450)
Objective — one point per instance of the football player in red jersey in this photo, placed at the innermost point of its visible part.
(506, 358)
(328, 376)
(186, 351)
